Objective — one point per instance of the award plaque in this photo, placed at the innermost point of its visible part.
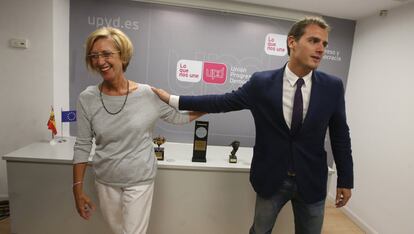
(232, 156)
(159, 151)
(200, 141)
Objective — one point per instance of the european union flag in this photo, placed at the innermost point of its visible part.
(68, 116)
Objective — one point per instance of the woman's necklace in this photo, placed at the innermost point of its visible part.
(123, 105)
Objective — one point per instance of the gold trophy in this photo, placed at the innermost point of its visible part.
(232, 156)
(159, 151)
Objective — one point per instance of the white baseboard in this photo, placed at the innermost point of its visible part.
(355, 218)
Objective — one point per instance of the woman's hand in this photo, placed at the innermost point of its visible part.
(84, 205)
(195, 115)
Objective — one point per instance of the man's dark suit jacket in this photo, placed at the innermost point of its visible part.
(274, 144)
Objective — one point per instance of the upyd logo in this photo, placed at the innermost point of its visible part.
(193, 71)
(275, 44)
(116, 22)
(214, 73)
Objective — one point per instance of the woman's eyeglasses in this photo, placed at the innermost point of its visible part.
(104, 54)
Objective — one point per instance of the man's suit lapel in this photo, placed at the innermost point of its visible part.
(278, 79)
(313, 101)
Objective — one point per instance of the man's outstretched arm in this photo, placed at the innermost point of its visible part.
(232, 101)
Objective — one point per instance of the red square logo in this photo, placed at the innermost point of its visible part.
(214, 73)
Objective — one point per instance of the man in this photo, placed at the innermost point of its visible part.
(292, 109)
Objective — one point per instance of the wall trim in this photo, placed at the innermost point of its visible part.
(236, 7)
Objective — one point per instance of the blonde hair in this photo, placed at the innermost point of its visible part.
(121, 42)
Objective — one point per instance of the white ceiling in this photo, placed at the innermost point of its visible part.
(346, 9)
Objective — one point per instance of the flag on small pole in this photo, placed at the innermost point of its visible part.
(68, 116)
(51, 124)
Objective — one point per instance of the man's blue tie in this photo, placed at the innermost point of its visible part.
(296, 124)
(297, 112)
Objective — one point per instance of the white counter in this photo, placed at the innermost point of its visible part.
(189, 197)
(177, 156)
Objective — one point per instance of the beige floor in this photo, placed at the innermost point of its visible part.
(5, 226)
(335, 223)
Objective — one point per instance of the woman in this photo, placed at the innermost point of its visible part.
(120, 114)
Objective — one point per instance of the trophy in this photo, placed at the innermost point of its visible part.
(232, 156)
(159, 151)
(200, 141)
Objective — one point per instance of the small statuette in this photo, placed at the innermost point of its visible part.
(232, 156)
(159, 151)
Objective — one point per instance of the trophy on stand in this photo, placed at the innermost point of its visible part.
(232, 156)
(159, 151)
(200, 141)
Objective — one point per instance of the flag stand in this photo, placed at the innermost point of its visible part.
(61, 139)
(58, 139)
(53, 141)
(51, 125)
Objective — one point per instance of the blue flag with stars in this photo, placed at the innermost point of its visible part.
(69, 116)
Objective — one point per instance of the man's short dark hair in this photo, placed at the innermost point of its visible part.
(298, 29)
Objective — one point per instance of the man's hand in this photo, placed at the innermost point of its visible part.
(342, 197)
(162, 94)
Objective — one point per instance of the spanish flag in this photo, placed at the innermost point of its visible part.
(51, 124)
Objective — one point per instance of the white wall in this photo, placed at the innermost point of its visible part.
(61, 62)
(380, 111)
(27, 75)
